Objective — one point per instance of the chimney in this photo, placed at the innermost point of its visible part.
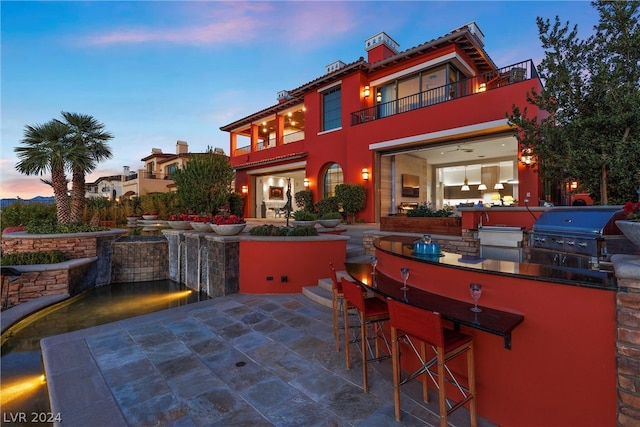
(125, 170)
(380, 47)
(182, 147)
(336, 65)
(283, 96)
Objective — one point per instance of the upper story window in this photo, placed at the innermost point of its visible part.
(331, 108)
(172, 168)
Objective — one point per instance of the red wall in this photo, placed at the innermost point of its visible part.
(303, 260)
(561, 370)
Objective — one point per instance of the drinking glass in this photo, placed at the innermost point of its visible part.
(476, 291)
(404, 273)
(374, 263)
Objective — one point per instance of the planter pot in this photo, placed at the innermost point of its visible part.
(329, 223)
(201, 226)
(448, 226)
(631, 230)
(228, 229)
(304, 223)
(149, 217)
(179, 225)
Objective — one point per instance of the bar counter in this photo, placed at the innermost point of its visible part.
(403, 246)
(561, 368)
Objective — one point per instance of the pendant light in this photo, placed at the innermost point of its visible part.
(465, 187)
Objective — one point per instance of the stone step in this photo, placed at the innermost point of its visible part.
(318, 295)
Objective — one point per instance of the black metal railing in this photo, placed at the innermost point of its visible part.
(487, 81)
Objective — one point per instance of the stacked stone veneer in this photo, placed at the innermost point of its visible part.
(468, 244)
(70, 277)
(89, 264)
(204, 261)
(627, 268)
(140, 260)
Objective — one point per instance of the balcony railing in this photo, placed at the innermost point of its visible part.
(488, 81)
(148, 175)
(286, 139)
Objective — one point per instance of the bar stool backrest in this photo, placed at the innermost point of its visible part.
(353, 293)
(422, 324)
(334, 278)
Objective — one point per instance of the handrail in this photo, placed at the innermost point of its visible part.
(487, 81)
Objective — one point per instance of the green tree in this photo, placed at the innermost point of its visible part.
(592, 94)
(352, 198)
(204, 183)
(44, 150)
(88, 146)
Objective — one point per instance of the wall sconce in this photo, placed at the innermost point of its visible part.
(365, 174)
(574, 185)
(526, 157)
(306, 183)
(245, 189)
(379, 96)
(367, 91)
(483, 87)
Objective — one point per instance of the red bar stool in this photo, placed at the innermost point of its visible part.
(337, 303)
(371, 311)
(447, 344)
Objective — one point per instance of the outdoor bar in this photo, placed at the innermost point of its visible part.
(558, 360)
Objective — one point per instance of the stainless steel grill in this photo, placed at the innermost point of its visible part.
(578, 237)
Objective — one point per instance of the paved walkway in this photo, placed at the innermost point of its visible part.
(230, 361)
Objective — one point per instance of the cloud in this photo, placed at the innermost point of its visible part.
(239, 23)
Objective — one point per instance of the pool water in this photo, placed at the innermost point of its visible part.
(23, 393)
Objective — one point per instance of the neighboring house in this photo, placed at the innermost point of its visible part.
(157, 174)
(427, 124)
(105, 186)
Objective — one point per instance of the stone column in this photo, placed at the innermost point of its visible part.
(223, 265)
(627, 269)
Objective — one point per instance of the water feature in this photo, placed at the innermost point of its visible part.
(23, 391)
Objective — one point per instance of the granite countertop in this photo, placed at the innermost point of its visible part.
(403, 246)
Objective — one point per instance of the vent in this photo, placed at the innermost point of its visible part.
(335, 66)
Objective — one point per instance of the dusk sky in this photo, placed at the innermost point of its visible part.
(155, 72)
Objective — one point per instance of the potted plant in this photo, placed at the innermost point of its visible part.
(201, 223)
(150, 215)
(330, 220)
(631, 226)
(424, 219)
(304, 219)
(179, 221)
(228, 225)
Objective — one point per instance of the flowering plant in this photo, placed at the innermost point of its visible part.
(150, 213)
(633, 211)
(227, 219)
(180, 217)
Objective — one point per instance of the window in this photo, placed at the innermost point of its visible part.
(332, 177)
(171, 169)
(331, 109)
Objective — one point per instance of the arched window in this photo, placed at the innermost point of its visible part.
(332, 177)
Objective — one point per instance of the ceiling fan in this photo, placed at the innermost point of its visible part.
(462, 148)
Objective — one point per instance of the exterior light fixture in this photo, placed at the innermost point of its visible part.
(367, 91)
(574, 185)
(465, 185)
(526, 157)
(245, 189)
(379, 96)
(365, 174)
(306, 183)
(482, 88)
(482, 187)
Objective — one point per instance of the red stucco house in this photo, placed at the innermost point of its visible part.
(427, 124)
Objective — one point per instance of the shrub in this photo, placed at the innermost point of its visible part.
(273, 230)
(55, 228)
(304, 216)
(236, 204)
(303, 231)
(32, 258)
(332, 215)
(327, 205)
(425, 210)
(304, 200)
(352, 198)
(23, 213)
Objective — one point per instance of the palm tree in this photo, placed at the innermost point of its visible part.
(87, 147)
(44, 150)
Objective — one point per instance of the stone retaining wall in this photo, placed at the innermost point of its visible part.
(468, 244)
(628, 338)
(140, 260)
(35, 281)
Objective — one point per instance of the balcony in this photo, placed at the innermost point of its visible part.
(262, 145)
(488, 81)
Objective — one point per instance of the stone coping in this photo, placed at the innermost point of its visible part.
(65, 265)
(248, 237)
(15, 314)
(25, 235)
(626, 266)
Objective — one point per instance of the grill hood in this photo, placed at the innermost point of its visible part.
(587, 221)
